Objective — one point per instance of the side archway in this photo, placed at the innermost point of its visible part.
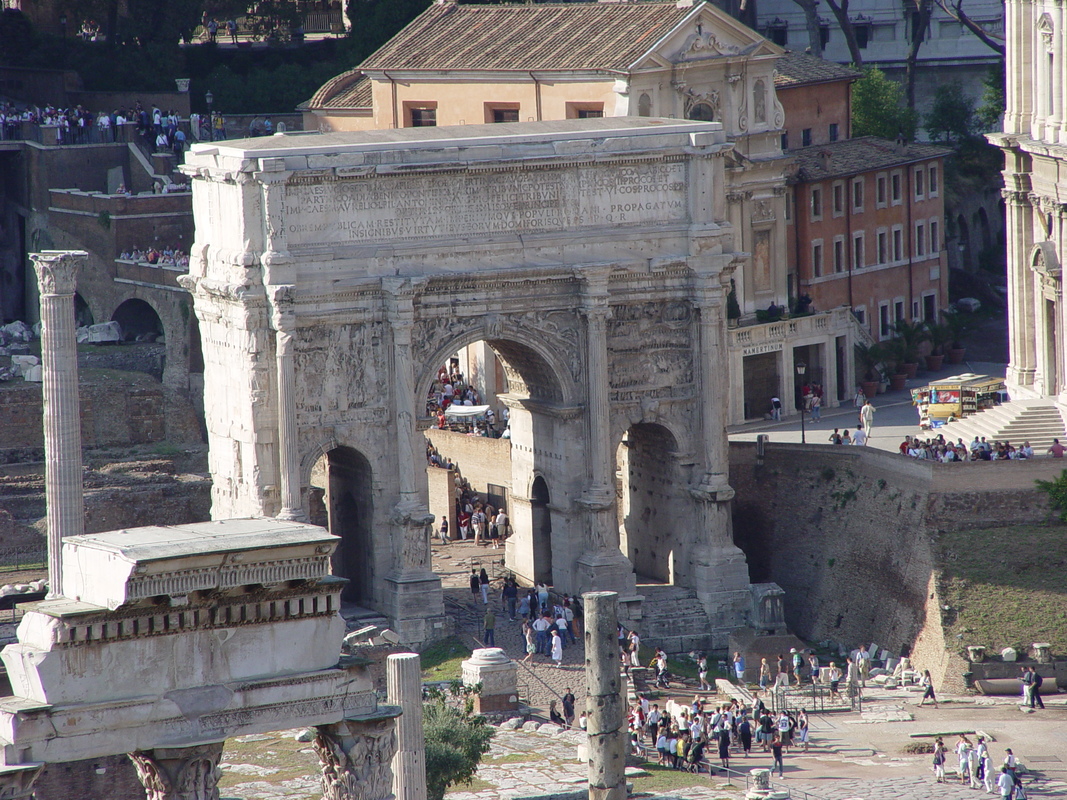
(139, 321)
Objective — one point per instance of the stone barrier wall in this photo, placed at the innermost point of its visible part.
(480, 460)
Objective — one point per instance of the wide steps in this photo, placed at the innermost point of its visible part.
(673, 618)
(1038, 422)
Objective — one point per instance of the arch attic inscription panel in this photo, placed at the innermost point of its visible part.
(332, 271)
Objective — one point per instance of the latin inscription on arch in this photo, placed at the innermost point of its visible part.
(428, 206)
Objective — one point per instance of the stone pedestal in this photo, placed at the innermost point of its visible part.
(975, 654)
(498, 675)
(1042, 652)
(403, 673)
(356, 757)
(180, 773)
(606, 709)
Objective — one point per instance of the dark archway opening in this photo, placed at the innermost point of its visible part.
(83, 315)
(648, 474)
(542, 530)
(349, 514)
(139, 321)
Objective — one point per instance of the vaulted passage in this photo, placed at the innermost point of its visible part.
(649, 513)
(350, 515)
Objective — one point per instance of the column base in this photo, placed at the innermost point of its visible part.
(356, 756)
(415, 605)
(606, 572)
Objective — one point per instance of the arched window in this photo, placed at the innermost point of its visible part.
(644, 106)
(702, 112)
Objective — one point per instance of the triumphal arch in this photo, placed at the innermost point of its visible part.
(333, 274)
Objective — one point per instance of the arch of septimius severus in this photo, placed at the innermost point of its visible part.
(334, 273)
(1035, 191)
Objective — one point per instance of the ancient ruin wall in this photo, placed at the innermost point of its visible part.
(849, 533)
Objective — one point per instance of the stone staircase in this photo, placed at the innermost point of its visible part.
(1035, 421)
(673, 618)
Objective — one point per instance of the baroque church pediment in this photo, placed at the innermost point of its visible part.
(709, 34)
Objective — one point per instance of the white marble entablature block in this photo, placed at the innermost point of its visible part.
(114, 568)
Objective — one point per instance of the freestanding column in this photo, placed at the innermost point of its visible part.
(284, 320)
(404, 686)
(57, 277)
(606, 709)
(714, 394)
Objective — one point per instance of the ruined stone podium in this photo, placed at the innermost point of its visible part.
(166, 641)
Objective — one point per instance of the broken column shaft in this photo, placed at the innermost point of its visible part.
(404, 686)
(57, 277)
(606, 710)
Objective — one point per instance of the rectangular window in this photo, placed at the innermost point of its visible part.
(884, 328)
(839, 254)
(833, 132)
(805, 137)
(857, 251)
(930, 307)
(935, 241)
(920, 239)
(838, 191)
(879, 191)
(932, 183)
(584, 110)
(857, 195)
(816, 258)
(920, 183)
(883, 247)
(861, 314)
(894, 188)
(898, 310)
(421, 116)
(785, 141)
(863, 36)
(816, 203)
(501, 112)
(898, 244)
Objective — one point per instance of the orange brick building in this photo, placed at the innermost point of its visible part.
(866, 229)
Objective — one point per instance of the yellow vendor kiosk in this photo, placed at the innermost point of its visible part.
(957, 396)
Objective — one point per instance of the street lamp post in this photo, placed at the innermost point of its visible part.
(801, 369)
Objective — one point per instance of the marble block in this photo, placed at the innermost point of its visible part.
(498, 675)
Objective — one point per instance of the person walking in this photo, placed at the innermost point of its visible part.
(816, 407)
(509, 595)
(443, 530)
(475, 582)
(744, 733)
(557, 649)
(568, 707)
(1005, 783)
(489, 626)
(802, 728)
(867, 417)
(702, 673)
(739, 668)
(483, 583)
(540, 628)
(776, 753)
(939, 760)
(928, 684)
(528, 637)
(776, 408)
(1035, 693)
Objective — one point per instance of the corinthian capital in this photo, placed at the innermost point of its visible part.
(57, 270)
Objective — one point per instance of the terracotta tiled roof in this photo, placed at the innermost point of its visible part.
(853, 156)
(542, 36)
(349, 90)
(797, 69)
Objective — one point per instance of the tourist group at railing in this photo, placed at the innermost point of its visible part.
(943, 450)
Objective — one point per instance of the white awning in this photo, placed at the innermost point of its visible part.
(466, 411)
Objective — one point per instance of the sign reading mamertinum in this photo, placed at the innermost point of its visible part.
(384, 207)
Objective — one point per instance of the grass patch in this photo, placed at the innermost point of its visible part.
(291, 758)
(512, 758)
(663, 780)
(166, 449)
(441, 661)
(1005, 587)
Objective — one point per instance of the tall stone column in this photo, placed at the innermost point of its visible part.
(356, 758)
(180, 773)
(283, 318)
(404, 687)
(57, 277)
(715, 391)
(603, 566)
(1022, 300)
(606, 709)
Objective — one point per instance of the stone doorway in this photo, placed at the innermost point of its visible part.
(349, 503)
(761, 383)
(651, 514)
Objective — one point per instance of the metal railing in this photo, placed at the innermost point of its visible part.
(22, 559)
(815, 698)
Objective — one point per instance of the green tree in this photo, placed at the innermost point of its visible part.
(456, 738)
(990, 112)
(878, 107)
(951, 118)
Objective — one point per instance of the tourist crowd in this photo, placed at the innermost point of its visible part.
(78, 125)
(945, 451)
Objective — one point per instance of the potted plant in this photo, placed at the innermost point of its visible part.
(733, 309)
(959, 326)
(868, 358)
(939, 336)
(909, 336)
(895, 354)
